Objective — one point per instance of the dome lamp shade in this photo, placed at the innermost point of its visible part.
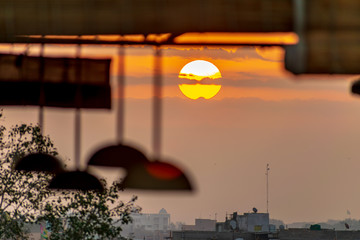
(76, 180)
(39, 162)
(156, 175)
(120, 155)
(355, 87)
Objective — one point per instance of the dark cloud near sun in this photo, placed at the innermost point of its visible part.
(214, 53)
(202, 81)
(132, 80)
(253, 81)
(249, 80)
(237, 53)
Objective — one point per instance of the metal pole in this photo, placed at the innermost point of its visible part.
(78, 101)
(42, 90)
(267, 187)
(299, 27)
(157, 95)
(120, 91)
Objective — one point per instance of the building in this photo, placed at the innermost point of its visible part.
(149, 226)
(249, 226)
(211, 235)
(323, 234)
(248, 222)
(152, 221)
(253, 222)
(201, 225)
(283, 234)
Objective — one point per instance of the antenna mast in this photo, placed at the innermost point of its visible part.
(267, 187)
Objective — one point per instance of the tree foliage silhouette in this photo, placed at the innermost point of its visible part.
(25, 198)
(88, 215)
(21, 193)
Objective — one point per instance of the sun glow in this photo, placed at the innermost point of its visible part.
(286, 38)
(199, 70)
(199, 90)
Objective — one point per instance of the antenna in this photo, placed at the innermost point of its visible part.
(267, 187)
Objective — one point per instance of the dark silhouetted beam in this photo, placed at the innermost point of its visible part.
(94, 17)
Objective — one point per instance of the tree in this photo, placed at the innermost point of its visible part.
(21, 193)
(88, 215)
(25, 198)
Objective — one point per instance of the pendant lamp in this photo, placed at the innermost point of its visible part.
(355, 87)
(77, 180)
(119, 155)
(39, 162)
(157, 175)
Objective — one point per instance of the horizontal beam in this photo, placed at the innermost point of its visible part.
(122, 17)
(96, 17)
(62, 40)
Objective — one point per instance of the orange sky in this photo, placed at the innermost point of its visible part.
(306, 128)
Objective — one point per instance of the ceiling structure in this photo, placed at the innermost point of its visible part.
(122, 17)
(327, 30)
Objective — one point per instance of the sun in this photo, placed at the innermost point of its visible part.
(201, 71)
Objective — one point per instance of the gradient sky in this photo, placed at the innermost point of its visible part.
(307, 129)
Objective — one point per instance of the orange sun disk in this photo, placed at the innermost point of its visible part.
(199, 90)
(198, 70)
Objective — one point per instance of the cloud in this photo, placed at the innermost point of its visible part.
(274, 89)
(213, 53)
(283, 82)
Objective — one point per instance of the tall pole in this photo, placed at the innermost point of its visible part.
(121, 97)
(267, 187)
(157, 105)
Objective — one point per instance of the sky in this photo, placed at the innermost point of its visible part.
(305, 127)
